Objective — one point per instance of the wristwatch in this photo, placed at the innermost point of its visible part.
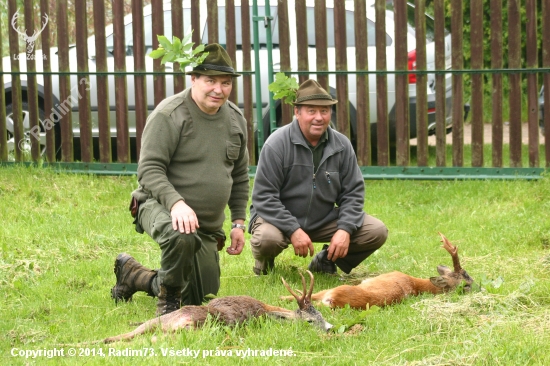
(238, 226)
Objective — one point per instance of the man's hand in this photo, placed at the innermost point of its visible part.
(339, 245)
(184, 218)
(301, 243)
(237, 240)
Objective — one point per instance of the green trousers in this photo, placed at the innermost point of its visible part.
(190, 261)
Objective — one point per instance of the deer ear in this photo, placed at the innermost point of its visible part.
(443, 270)
(440, 282)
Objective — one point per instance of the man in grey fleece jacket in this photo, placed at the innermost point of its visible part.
(193, 164)
(309, 188)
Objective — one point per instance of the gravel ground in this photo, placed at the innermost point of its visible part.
(487, 135)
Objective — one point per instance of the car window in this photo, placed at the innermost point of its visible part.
(411, 24)
(350, 29)
(430, 24)
(147, 25)
(238, 29)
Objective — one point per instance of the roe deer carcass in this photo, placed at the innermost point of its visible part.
(230, 310)
(391, 288)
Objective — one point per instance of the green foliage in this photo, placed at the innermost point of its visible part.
(284, 87)
(180, 51)
(491, 285)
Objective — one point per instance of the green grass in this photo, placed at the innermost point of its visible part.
(60, 234)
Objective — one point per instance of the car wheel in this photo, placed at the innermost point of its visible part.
(28, 133)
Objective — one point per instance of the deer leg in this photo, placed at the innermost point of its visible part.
(148, 326)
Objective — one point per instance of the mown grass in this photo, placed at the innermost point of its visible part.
(60, 234)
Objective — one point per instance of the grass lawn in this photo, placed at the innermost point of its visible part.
(60, 234)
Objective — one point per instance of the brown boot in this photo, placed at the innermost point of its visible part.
(131, 277)
(169, 300)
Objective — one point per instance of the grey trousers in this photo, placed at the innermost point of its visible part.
(190, 261)
(267, 242)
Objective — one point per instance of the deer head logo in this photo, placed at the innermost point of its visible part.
(29, 39)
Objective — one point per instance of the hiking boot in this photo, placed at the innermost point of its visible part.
(131, 277)
(169, 300)
(320, 263)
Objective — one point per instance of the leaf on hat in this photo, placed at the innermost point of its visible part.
(180, 51)
(284, 87)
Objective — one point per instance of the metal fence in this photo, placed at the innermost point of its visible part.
(48, 93)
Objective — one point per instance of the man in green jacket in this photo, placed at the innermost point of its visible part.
(193, 163)
(308, 188)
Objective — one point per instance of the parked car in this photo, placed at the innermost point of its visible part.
(350, 29)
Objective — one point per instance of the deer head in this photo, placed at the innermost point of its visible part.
(29, 39)
(448, 279)
(306, 311)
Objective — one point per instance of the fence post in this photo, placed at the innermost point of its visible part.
(476, 42)
(497, 96)
(83, 83)
(362, 122)
(66, 120)
(458, 87)
(382, 128)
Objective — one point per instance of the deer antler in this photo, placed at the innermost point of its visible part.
(305, 300)
(37, 32)
(453, 251)
(24, 34)
(14, 24)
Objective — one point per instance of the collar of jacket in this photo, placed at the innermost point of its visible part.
(333, 144)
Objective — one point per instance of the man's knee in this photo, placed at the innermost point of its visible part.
(177, 244)
(379, 234)
(373, 233)
(267, 241)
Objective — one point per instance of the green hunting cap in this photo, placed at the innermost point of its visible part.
(217, 62)
(311, 93)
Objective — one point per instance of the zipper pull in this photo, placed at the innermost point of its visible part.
(314, 184)
(328, 177)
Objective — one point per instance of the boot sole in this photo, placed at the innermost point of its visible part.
(120, 261)
(322, 265)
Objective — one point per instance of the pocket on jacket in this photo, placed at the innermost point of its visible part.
(332, 179)
(233, 148)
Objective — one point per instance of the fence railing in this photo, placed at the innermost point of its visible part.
(89, 101)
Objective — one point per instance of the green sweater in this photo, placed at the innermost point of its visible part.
(200, 158)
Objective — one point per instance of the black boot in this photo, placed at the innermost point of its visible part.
(169, 300)
(320, 263)
(131, 277)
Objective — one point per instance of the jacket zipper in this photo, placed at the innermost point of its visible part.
(314, 183)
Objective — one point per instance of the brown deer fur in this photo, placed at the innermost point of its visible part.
(229, 310)
(393, 287)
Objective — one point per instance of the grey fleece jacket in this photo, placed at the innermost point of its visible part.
(288, 194)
